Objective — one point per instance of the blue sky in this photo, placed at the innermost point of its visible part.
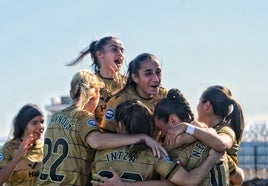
(200, 43)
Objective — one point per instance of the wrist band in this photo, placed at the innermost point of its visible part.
(190, 129)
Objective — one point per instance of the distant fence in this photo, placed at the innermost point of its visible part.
(253, 159)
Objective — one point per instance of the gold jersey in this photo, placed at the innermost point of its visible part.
(112, 86)
(67, 155)
(108, 122)
(141, 167)
(192, 156)
(27, 170)
(232, 153)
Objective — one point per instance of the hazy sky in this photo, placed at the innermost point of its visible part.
(199, 43)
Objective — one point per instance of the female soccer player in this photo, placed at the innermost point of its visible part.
(72, 136)
(108, 56)
(143, 83)
(137, 163)
(21, 157)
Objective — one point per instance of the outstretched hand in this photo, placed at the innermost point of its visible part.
(156, 147)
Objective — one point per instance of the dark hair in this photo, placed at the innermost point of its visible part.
(137, 119)
(225, 106)
(135, 65)
(92, 49)
(25, 114)
(174, 103)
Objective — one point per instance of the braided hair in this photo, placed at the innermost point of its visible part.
(174, 103)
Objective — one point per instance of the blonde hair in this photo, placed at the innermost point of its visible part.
(83, 87)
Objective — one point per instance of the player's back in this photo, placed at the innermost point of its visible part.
(141, 167)
(67, 157)
(192, 156)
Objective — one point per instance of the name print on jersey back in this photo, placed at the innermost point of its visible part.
(120, 156)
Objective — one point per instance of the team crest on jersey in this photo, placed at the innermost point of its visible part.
(110, 113)
(1, 157)
(167, 158)
(92, 122)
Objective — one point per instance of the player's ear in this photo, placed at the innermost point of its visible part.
(173, 120)
(134, 77)
(208, 105)
(99, 55)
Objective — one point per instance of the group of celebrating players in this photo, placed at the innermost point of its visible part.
(126, 130)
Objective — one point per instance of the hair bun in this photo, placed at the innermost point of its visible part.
(174, 94)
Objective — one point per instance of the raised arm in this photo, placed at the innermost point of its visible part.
(8, 168)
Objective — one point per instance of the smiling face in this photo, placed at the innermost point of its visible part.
(148, 79)
(111, 57)
(35, 127)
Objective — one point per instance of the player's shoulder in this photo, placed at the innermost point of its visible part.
(224, 127)
(85, 113)
(86, 117)
(163, 91)
(10, 147)
(120, 96)
(13, 143)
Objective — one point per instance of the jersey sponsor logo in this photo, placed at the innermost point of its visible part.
(110, 113)
(1, 157)
(168, 159)
(92, 122)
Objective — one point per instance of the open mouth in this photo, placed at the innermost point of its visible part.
(38, 133)
(155, 86)
(118, 61)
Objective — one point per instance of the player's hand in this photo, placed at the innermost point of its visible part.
(25, 145)
(179, 141)
(155, 146)
(172, 134)
(104, 181)
(215, 156)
